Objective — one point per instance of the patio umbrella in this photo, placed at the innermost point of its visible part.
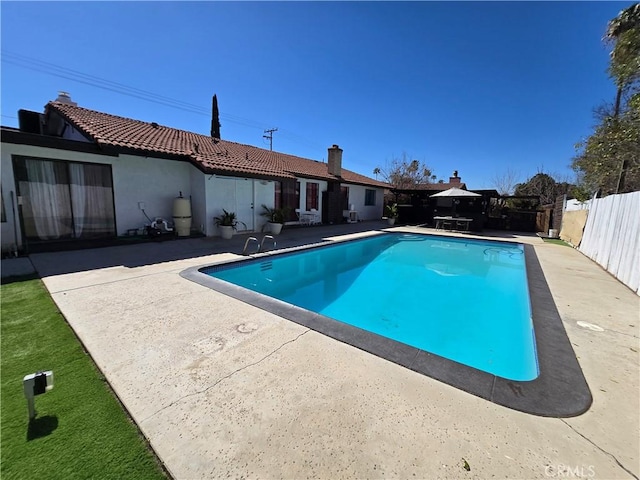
(455, 192)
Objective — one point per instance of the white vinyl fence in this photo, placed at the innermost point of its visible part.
(611, 236)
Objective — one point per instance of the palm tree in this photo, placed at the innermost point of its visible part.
(376, 172)
(624, 32)
(626, 20)
(624, 67)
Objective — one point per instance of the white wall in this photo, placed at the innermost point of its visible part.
(574, 204)
(198, 202)
(356, 198)
(241, 195)
(7, 233)
(156, 182)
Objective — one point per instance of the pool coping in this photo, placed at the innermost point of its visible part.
(560, 390)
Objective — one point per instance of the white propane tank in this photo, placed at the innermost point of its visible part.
(182, 216)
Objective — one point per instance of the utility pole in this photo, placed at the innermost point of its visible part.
(269, 136)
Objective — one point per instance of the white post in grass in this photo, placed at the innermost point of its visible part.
(36, 384)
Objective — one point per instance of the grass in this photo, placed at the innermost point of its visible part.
(81, 430)
(557, 241)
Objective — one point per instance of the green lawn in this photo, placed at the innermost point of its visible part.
(557, 241)
(81, 430)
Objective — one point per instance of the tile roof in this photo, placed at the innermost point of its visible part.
(430, 187)
(219, 156)
(439, 187)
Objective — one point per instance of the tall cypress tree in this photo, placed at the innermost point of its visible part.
(215, 118)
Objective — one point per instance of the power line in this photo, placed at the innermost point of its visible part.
(80, 77)
(300, 139)
(52, 69)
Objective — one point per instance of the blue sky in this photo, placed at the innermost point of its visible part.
(478, 87)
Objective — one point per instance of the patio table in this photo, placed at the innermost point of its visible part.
(453, 223)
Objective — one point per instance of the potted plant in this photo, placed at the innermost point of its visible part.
(275, 217)
(227, 222)
(391, 210)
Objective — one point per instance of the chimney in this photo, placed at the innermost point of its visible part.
(455, 178)
(334, 162)
(64, 97)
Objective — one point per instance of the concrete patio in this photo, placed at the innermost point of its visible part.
(223, 389)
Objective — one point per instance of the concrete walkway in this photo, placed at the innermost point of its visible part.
(223, 389)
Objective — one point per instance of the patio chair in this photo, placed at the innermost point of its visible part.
(448, 224)
(303, 219)
(315, 217)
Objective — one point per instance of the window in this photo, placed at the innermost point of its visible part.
(344, 191)
(287, 195)
(277, 201)
(369, 197)
(312, 195)
(65, 200)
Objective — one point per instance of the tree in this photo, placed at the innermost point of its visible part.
(624, 66)
(506, 182)
(215, 118)
(609, 160)
(544, 186)
(403, 173)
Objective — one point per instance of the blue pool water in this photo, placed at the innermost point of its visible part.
(464, 300)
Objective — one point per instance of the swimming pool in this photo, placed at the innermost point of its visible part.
(559, 390)
(461, 299)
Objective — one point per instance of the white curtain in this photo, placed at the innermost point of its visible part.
(49, 202)
(78, 193)
(99, 198)
(92, 198)
(66, 199)
(612, 236)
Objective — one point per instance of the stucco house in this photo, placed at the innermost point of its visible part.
(71, 174)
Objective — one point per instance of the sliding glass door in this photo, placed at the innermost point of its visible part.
(64, 200)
